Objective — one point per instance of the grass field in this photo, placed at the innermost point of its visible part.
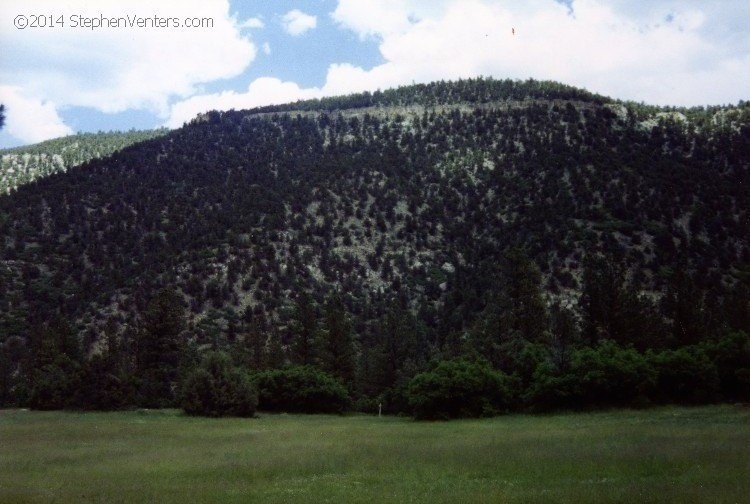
(661, 455)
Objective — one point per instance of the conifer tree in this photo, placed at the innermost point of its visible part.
(528, 310)
(304, 328)
(338, 346)
(160, 347)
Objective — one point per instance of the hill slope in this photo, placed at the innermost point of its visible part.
(455, 208)
(22, 165)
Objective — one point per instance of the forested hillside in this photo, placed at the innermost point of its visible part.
(543, 245)
(21, 165)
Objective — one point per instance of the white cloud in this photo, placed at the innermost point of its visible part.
(31, 120)
(262, 91)
(116, 69)
(385, 17)
(266, 48)
(674, 52)
(296, 22)
(252, 23)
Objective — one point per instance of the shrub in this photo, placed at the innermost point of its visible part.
(731, 356)
(551, 390)
(104, 387)
(611, 375)
(458, 388)
(53, 384)
(218, 388)
(685, 375)
(301, 389)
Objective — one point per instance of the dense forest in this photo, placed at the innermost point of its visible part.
(448, 249)
(22, 165)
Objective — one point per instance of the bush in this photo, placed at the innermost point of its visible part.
(551, 390)
(611, 375)
(368, 405)
(104, 386)
(685, 375)
(301, 389)
(731, 356)
(218, 388)
(53, 384)
(458, 388)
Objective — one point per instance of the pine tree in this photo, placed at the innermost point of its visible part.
(401, 347)
(684, 304)
(528, 311)
(602, 299)
(160, 347)
(338, 346)
(564, 335)
(276, 356)
(54, 366)
(254, 346)
(304, 329)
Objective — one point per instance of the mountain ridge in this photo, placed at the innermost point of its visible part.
(467, 220)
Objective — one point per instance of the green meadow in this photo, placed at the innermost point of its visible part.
(657, 455)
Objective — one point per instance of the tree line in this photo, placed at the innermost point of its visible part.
(521, 355)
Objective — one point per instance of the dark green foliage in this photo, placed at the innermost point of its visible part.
(218, 388)
(685, 307)
(611, 375)
(564, 337)
(459, 388)
(301, 389)
(105, 385)
(305, 337)
(604, 299)
(390, 357)
(552, 389)
(54, 383)
(685, 375)
(515, 333)
(480, 90)
(604, 375)
(338, 345)
(54, 367)
(731, 355)
(160, 348)
(613, 309)
(527, 316)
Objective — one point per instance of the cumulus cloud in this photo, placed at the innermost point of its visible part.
(668, 52)
(377, 19)
(252, 23)
(29, 119)
(119, 68)
(296, 22)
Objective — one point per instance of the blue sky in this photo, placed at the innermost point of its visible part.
(62, 78)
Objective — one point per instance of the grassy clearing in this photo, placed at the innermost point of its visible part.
(662, 455)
